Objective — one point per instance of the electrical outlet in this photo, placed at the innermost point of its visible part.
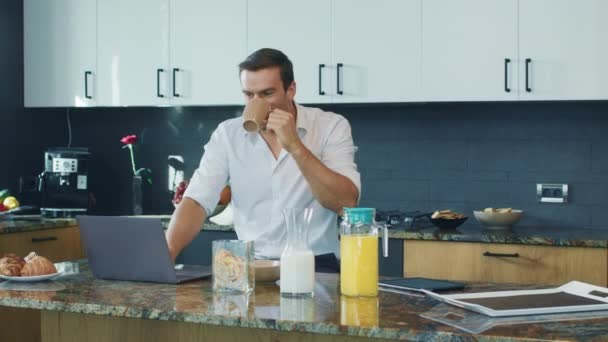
(176, 171)
(552, 193)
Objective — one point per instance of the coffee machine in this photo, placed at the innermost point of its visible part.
(63, 185)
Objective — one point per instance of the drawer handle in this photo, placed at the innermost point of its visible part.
(339, 66)
(158, 71)
(175, 70)
(507, 61)
(46, 238)
(321, 66)
(505, 255)
(86, 84)
(528, 61)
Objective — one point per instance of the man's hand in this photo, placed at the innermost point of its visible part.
(283, 124)
(185, 224)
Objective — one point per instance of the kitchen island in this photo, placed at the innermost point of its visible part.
(78, 307)
(546, 255)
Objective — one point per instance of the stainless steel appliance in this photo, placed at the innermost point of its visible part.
(398, 219)
(63, 185)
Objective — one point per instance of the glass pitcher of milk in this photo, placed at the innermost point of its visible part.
(297, 259)
(359, 252)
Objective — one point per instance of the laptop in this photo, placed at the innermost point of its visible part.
(132, 248)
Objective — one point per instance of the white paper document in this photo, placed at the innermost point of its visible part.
(574, 296)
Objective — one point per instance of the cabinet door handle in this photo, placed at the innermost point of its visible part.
(158, 94)
(321, 66)
(86, 84)
(339, 91)
(528, 61)
(507, 61)
(503, 255)
(43, 239)
(175, 70)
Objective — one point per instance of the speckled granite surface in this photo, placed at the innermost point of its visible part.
(518, 235)
(390, 315)
(15, 224)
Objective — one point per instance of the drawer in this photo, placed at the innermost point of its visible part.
(505, 263)
(58, 244)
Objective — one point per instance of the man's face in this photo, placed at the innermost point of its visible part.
(266, 84)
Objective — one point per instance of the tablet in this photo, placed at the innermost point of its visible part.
(421, 284)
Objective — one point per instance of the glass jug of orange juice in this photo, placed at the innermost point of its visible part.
(359, 252)
(359, 311)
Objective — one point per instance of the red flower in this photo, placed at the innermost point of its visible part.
(129, 139)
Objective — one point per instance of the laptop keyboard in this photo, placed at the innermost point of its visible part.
(190, 271)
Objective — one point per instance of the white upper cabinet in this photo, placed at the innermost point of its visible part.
(343, 50)
(469, 50)
(566, 45)
(208, 41)
(59, 53)
(133, 52)
(186, 52)
(301, 30)
(376, 50)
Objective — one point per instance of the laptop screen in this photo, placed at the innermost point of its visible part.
(127, 248)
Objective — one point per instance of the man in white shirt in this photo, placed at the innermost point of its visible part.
(303, 158)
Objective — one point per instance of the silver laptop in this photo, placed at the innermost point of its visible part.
(132, 248)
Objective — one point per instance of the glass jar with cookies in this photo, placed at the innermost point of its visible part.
(232, 271)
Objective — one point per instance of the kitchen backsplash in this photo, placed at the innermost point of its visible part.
(460, 156)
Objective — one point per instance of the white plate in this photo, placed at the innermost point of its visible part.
(31, 278)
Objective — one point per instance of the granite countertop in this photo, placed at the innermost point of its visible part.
(390, 315)
(548, 236)
(23, 223)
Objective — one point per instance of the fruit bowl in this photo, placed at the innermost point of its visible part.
(445, 223)
(498, 220)
(447, 219)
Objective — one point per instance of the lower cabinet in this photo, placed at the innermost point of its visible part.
(505, 263)
(199, 250)
(57, 244)
(391, 266)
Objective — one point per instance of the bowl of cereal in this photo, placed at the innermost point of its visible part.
(266, 270)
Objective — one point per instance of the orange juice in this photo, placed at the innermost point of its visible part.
(361, 312)
(359, 265)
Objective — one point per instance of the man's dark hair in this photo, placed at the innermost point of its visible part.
(269, 58)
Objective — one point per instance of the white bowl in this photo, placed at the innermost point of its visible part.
(495, 220)
(266, 270)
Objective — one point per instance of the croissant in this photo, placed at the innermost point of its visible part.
(11, 264)
(37, 265)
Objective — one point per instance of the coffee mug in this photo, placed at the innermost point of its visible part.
(255, 113)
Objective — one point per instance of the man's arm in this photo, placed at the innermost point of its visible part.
(185, 224)
(333, 190)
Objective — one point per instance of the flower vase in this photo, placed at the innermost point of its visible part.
(136, 195)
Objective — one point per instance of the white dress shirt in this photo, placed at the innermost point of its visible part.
(263, 186)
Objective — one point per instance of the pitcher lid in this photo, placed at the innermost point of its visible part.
(360, 215)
